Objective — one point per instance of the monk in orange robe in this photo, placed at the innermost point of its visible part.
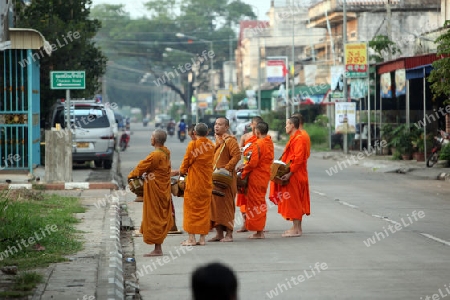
(291, 203)
(246, 141)
(157, 207)
(198, 166)
(226, 156)
(307, 145)
(258, 172)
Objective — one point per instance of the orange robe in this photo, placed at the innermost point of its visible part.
(222, 208)
(157, 207)
(290, 198)
(241, 198)
(307, 144)
(258, 170)
(198, 164)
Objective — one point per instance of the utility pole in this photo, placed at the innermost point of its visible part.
(293, 66)
(344, 41)
(231, 69)
(389, 25)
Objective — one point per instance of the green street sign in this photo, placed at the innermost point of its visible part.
(67, 80)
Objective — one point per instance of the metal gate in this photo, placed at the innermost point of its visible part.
(19, 110)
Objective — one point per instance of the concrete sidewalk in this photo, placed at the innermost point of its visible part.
(384, 164)
(96, 271)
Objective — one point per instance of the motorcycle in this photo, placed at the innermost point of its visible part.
(124, 139)
(438, 141)
(171, 130)
(182, 136)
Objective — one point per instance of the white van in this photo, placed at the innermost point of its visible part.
(94, 131)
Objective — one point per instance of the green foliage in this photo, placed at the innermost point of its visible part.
(27, 281)
(48, 219)
(386, 132)
(318, 134)
(440, 75)
(445, 152)
(321, 120)
(55, 20)
(402, 138)
(396, 155)
(276, 120)
(138, 47)
(381, 44)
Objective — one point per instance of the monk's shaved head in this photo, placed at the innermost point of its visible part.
(295, 121)
(160, 136)
(299, 116)
(257, 119)
(201, 129)
(227, 122)
(262, 127)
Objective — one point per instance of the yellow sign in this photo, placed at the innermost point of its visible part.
(356, 63)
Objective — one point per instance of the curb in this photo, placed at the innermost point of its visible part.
(115, 286)
(61, 186)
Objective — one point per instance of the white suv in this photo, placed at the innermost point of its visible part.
(93, 128)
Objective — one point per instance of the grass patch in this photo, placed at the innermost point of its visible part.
(29, 219)
(23, 285)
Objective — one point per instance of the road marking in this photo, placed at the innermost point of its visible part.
(386, 219)
(436, 239)
(19, 186)
(319, 193)
(348, 204)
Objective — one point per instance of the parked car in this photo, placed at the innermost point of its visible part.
(94, 131)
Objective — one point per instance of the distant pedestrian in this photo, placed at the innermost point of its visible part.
(214, 281)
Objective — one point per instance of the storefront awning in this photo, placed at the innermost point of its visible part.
(418, 72)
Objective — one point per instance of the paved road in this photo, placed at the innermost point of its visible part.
(370, 236)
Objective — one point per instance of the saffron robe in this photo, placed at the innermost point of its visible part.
(307, 144)
(258, 170)
(157, 208)
(222, 208)
(241, 198)
(198, 164)
(290, 198)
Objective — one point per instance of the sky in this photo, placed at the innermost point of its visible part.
(136, 8)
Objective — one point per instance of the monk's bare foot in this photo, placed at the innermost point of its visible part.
(188, 243)
(243, 229)
(200, 243)
(291, 233)
(154, 253)
(257, 236)
(226, 239)
(215, 239)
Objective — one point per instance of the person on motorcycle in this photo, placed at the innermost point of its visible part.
(181, 127)
(125, 138)
(171, 127)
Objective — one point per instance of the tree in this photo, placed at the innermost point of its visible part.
(382, 45)
(440, 75)
(57, 20)
(137, 47)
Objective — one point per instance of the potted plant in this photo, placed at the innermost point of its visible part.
(419, 147)
(402, 141)
(444, 155)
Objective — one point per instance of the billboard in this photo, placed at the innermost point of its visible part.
(276, 71)
(345, 117)
(356, 64)
(386, 85)
(400, 82)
